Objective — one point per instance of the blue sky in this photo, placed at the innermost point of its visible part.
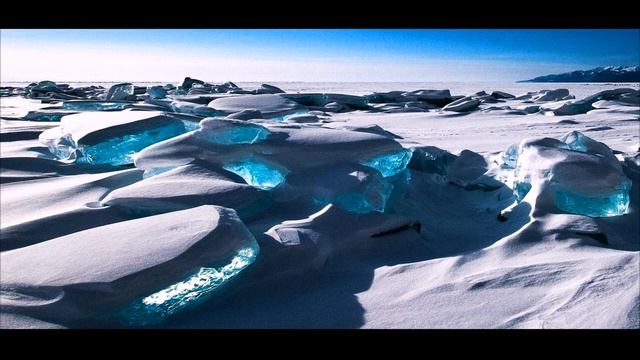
(309, 55)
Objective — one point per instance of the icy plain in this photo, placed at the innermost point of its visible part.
(293, 205)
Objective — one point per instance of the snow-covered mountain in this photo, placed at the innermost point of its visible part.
(600, 74)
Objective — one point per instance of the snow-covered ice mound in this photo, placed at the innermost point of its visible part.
(108, 267)
(268, 104)
(112, 138)
(575, 174)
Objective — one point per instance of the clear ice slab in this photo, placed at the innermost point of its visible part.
(156, 307)
(120, 92)
(604, 205)
(229, 132)
(510, 156)
(112, 137)
(431, 159)
(91, 105)
(521, 189)
(373, 195)
(257, 173)
(390, 164)
(120, 150)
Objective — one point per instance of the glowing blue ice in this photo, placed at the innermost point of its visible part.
(390, 164)
(281, 118)
(94, 105)
(257, 173)
(576, 141)
(121, 149)
(44, 116)
(431, 159)
(612, 204)
(510, 156)
(158, 306)
(521, 189)
(375, 196)
(249, 134)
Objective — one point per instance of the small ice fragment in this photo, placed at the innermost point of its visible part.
(257, 173)
(510, 156)
(120, 92)
(390, 164)
(521, 189)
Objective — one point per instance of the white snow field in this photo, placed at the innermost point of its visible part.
(311, 205)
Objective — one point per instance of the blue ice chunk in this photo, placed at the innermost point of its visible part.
(431, 159)
(156, 307)
(45, 116)
(257, 173)
(281, 118)
(120, 91)
(576, 141)
(390, 164)
(120, 150)
(510, 156)
(156, 92)
(374, 197)
(521, 189)
(246, 134)
(46, 85)
(612, 204)
(64, 148)
(90, 105)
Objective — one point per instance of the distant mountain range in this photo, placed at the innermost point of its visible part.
(600, 74)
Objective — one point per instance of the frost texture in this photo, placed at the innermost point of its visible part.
(390, 164)
(156, 307)
(257, 173)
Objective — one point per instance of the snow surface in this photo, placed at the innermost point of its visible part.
(325, 210)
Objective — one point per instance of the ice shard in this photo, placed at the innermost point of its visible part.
(521, 189)
(120, 92)
(373, 195)
(228, 132)
(120, 150)
(576, 141)
(258, 173)
(156, 92)
(510, 156)
(112, 138)
(91, 105)
(390, 164)
(431, 159)
(196, 288)
(603, 205)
